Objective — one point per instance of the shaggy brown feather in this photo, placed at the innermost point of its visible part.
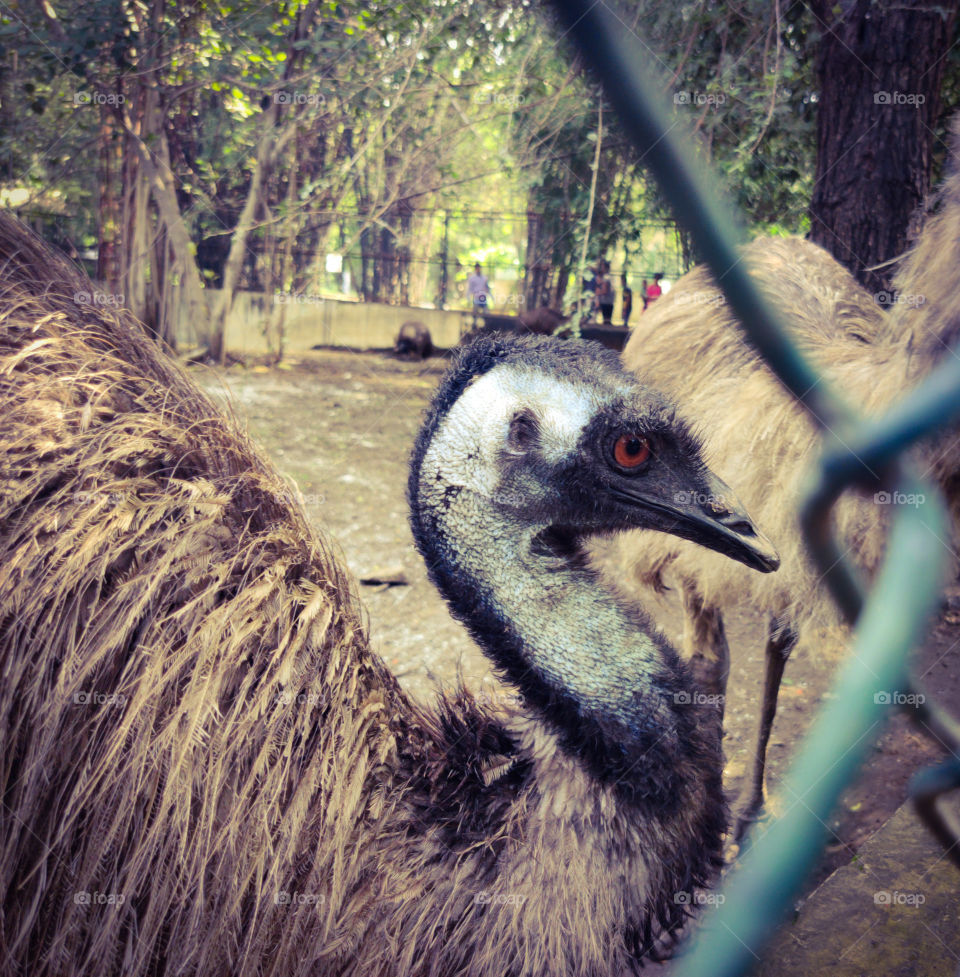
(205, 770)
(756, 437)
(182, 659)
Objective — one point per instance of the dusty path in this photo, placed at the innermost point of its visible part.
(341, 425)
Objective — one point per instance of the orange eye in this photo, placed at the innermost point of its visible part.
(631, 450)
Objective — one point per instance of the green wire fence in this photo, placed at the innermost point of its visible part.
(857, 453)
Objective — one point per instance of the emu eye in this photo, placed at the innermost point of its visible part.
(631, 450)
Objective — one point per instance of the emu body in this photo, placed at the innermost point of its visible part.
(414, 340)
(764, 443)
(542, 321)
(205, 768)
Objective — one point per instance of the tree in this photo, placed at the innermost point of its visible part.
(880, 68)
(238, 143)
(737, 74)
(269, 149)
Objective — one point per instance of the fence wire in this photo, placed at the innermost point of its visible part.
(861, 453)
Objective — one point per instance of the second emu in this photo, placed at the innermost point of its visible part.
(764, 443)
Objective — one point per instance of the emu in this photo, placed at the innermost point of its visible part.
(205, 768)
(414, 340)
(758, 438)
(542, 321)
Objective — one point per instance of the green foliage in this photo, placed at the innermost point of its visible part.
(389, 111)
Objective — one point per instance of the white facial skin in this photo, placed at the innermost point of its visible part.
(468, 446)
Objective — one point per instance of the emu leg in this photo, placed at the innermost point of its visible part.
(780, 642)
(705, 644)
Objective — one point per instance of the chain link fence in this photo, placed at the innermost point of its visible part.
(890, 620)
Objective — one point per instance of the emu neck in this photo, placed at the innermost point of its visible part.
(570, 628)
(590, 669)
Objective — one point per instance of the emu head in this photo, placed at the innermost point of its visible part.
(556, 440)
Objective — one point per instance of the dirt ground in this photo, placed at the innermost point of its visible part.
(341, 426)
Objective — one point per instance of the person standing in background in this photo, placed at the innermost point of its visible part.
(627, 306)
(478, 288)
(655, 291)
(605, 292)
(590, 294)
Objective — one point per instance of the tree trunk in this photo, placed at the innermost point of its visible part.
(559, 290)
(536, 270)
(366, 260)
(109, 211)
(238, 242)
(134, 236)
(880, 66)
(403, 253)
(182, 269)
(595, 169)
(282, 270)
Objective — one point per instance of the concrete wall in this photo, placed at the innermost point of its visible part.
(313, 321)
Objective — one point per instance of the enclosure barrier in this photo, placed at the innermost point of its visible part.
(857, 453)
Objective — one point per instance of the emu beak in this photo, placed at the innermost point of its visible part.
(711, 516)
